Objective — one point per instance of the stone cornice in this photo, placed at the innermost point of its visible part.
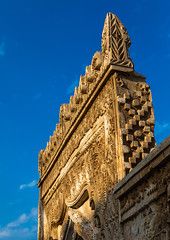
(153, 160)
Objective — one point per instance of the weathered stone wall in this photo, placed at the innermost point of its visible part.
(86, 163)
(93, 161)
(105, 130)
(144, 198)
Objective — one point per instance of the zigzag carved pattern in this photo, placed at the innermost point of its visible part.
(118, 44)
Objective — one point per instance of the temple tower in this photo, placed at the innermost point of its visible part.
(105, 130)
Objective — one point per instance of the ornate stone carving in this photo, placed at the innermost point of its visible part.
(97, 61)
(136, 119)
(115, 43)
(143, 198)
(78, 200)
(102, 134)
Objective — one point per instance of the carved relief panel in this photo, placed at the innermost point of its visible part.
(144, 210)
(104, 131)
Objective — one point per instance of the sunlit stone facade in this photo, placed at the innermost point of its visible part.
(92, 184)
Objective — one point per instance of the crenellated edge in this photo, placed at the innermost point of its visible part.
(69, 112)
(114, 52)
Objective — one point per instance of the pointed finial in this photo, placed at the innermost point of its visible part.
(115, 44)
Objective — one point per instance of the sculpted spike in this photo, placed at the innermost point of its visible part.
(77, 96)
(83, 85)
(66, 112)
(72, 104)
(97, 61)
(115, 44)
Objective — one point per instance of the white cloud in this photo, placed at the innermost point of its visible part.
(22, 219)
(4, 233)
(17, 229)
(28, 185)
(2, 49)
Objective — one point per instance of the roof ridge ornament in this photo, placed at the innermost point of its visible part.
(115, 44)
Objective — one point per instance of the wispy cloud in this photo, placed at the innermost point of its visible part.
(28, 185)
(24, 227)
(2, 49)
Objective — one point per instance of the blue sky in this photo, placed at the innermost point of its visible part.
(44, 47)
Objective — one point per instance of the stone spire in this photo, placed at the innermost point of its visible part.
(115, 44)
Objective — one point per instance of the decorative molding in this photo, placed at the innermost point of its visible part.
(63, 138)
(136, 205)
(84, 144)
(115, 44)
(79, 199)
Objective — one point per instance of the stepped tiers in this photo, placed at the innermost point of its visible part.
(104, 133)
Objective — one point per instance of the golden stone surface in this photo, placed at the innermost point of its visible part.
(103, 133)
